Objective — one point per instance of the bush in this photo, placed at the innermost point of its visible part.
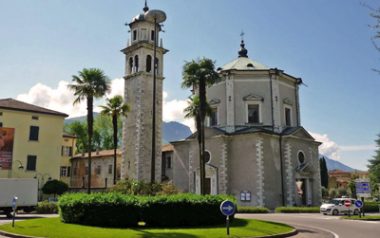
(46, 207)
(55, 187)
(297, 209)
(371, 206)
(118, 210)
(249, 209)
(135, 187)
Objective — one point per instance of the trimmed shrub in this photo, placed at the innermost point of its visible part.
(297, 210)
(371, 206)
(183, 210)
(46, 207)
(119, 210)
(99, 209)
(249, 209)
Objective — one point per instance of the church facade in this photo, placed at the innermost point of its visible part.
(256, 148)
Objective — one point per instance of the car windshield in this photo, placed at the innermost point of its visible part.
(334, 201)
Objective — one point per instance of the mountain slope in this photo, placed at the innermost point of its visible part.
(336, 165)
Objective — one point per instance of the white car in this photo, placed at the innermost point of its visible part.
(336, 206)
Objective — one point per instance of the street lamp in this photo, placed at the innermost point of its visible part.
(157, 17)
(20, 166)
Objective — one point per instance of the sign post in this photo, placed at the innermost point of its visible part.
(363, 190)
(228, 209)
(359, 204)
(14, 206)
(347, 203)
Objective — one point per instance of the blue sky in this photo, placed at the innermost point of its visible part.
(325, 42)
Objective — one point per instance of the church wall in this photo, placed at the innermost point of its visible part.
(288, 98)
(218, 91)
(311, 173)
(243, 167)
(181, 166)
(272, 172)
(256, 87)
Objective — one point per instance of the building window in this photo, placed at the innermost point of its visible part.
(152, 35)
(214, 116)
(156, 66)
(1, 113)
(68, 171)
(1, 124)
(31, 163)
(34, 117)
(33, 133)
(301, 157)
(98, 170)
(148, 63)
(134, 35)
(169, 162)
(253, 113)
(67, 151)
(288, 116)
(207, 157)
(130, 65)
(110, 169)
(136, 63)
(63, 172)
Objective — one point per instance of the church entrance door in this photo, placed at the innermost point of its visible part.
(207, 185)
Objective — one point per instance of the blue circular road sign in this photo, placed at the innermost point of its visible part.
(359, 203)
(227, 208)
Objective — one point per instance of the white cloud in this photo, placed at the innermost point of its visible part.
(173, 111)
(61, 98)
(328, 147)
(333, 150)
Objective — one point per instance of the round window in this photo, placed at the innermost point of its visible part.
(207, 157)
(301, 158)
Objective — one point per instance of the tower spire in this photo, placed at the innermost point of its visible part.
(146, 8)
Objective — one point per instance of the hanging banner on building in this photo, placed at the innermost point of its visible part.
(6, 147)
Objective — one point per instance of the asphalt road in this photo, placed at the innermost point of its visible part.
(308, 225)
(318, 225)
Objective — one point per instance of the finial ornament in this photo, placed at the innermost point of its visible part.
(243, 51)
(146, 8)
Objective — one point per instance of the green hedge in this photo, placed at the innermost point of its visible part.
(249, 209)
(371, 206)
(297, 209)
(46, 207)
(118, 210)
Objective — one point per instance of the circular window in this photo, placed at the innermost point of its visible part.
(301, 157)
(207, 157)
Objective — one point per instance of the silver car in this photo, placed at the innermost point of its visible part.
(336, 206)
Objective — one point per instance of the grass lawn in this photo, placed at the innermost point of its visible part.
(54, 228)
(365, 218)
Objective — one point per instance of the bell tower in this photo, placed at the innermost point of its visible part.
(141, 149)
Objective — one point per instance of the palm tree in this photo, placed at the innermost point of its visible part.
(89, 84)
(115, 107)
(197, 75)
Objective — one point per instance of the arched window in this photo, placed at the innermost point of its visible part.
(156, 66)
(130, 64)
(136, 63)
(148, 63)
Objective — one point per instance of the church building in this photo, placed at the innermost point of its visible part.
(256, 148)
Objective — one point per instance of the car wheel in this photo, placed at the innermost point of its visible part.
(356, 212)
(335, 212)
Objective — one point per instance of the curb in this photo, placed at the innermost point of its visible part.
(291, 233)
(13, 235)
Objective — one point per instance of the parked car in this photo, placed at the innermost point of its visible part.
(336, 206)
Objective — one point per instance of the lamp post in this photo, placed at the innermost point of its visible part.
(157, 17)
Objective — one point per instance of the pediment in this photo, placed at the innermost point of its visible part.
(299, 132)
(287, 101)
(253, 97)
(214, 101)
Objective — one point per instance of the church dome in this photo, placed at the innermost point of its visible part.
(243, 62)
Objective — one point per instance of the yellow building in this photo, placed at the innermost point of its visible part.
(30, 141)
(67, 151)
